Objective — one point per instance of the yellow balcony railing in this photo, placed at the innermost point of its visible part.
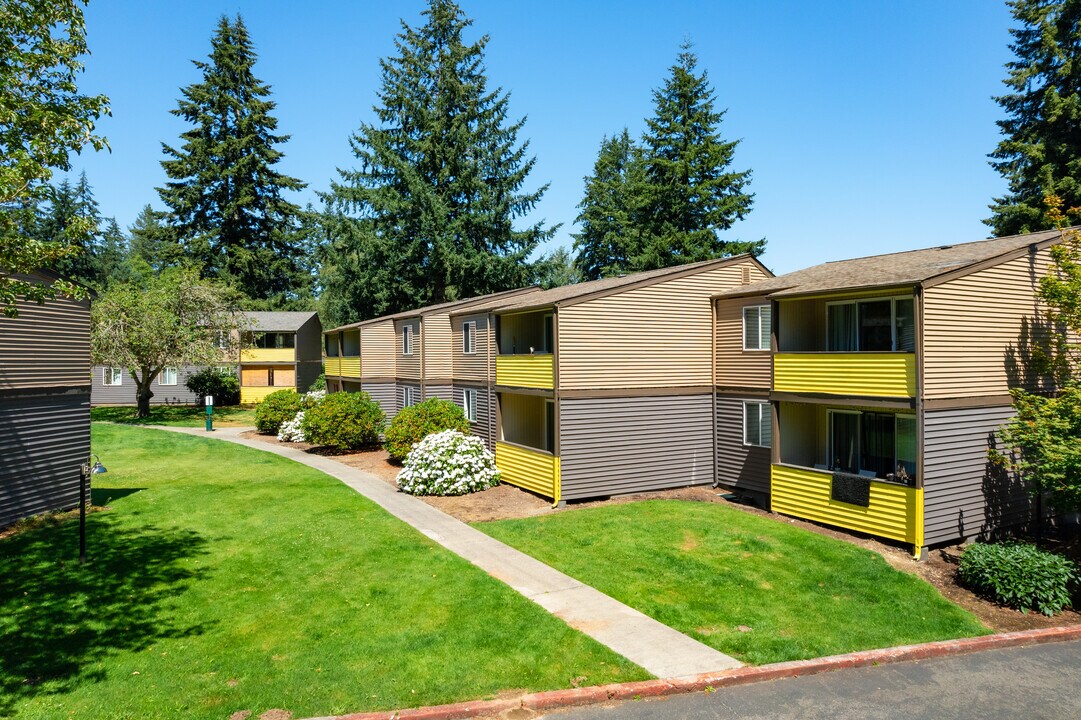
(268, 355)
(871, 374)
(251, 394)
(894, 512)
(533, 470)
(529, 371)
(350, 367)
(332, 366)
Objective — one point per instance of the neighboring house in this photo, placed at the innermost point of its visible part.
(401, 359)
(606, 387)
(282, 352)
(873, 401)
(44, 405)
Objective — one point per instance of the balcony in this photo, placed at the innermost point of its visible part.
(332, 366)
(534, 470)
(268, 355)
(894, 511)
(526, 371)
(350, 367)
(872, 374)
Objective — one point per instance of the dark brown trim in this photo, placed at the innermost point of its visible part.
(843, 400)
(733, 391)
(555, 380)
(381, 380)
(439, 381)
(961, 403)
(638, 392)
(524, 391)
(917, 311)
(713, 381)
(469, 382)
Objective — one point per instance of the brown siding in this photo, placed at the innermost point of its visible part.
(385, 395)
(485, 423)
(964, 495)
(377, 351)
(46, 346)
(124, 394)
(974, 323)
(737, 367)
(407, 366)
(653, 336)
(801, 325)
(306, 373)
(43, 441)
(739, 466)
(611, 446)
(443, 392)
(309, 341)
(471, 367)
(438, 360)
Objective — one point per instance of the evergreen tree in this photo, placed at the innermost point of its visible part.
(153, 242)
(73, 219)
(1040, 154)
(224, 195)
(690, 193)
(113, 261)
(610, 215)
(440, 176)
(556, 269)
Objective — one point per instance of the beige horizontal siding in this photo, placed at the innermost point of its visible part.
(438, 361)
(973, 323)
(653, 336)
(407, 366)
(46, 346)
(737, 367)
(474, 366)
(377, 350)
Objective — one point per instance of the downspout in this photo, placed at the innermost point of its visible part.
(557, 480)
(713, 382)
(489, 337)
(921, 422)
(423, 385)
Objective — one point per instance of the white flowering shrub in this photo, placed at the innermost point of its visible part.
(293, 430)
(448, 463)
(313, 397)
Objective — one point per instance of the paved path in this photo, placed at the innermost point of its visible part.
(1041, 682)
(657, 648)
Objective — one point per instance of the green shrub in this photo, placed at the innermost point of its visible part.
(1019, 575)
(278, 407)
(448, 463)
(223, 385)
(344, 421)
(320, 383)
(417, 422)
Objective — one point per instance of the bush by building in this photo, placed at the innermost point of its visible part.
(416, 422)
(448, 463)
(1019, 575)
(344, 421)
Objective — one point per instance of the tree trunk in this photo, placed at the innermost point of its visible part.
(143, 393)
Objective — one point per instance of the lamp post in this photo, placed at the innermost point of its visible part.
(85, 471)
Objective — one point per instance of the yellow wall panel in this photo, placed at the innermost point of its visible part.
(528, 371)
(349, 367)
(268, 355)
(870, 374)
(251, 395)
(530, 469)
(332, 366)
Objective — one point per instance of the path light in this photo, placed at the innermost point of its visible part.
(85, 470)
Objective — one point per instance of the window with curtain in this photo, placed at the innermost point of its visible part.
(877, 443)
(168, 376)
(841, 327)
(844, 433)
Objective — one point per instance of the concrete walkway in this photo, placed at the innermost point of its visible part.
(657, 648)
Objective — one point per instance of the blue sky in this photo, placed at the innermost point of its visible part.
(866, 123)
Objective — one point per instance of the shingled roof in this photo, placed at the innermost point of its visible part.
(467, 303)
(278, 321)
(571, 294)
(911, 267)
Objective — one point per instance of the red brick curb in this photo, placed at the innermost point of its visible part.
(554, 699)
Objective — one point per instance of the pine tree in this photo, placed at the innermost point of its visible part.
(440, 175)
(73, 218)
(153, 242)
(690, 193)
(1040, 155)
(556, 269)
(113, 261)
(610, 214)
(225, 197)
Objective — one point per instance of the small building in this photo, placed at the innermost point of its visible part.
(404, 358)
(282, 351)
(606, 387)
(865, 394)
(44, 405)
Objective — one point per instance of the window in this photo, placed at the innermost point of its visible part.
(469, 403)
(407, 339)
(550, 425)
(469, 337)
(168, 376)
(222, 340)
(757, 321)
(757, 424)
(112, 376)
(273, 340)
(410, 396)
(331, 345)
(880, 325)
(878, 443)
(549, 334)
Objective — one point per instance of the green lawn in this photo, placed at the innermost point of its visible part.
(222, 579)
(178, 415)
(750, 586)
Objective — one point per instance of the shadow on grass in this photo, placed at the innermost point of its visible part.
(58, 619)
(162, 414)
(103, 496)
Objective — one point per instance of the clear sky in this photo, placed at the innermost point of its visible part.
(866, 122)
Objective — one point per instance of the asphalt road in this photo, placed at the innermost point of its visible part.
(1037, 683)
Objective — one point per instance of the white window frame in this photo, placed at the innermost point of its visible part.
(765, 414)
(469, 404)
(407, 339)
(859, 434)
(176, 377)
(469, 337)
(112, 376)
(856, 301)
(763, 336)
(409, 396)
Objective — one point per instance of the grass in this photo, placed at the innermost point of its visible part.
(177, 415)
(747, 585)
(223, 579)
